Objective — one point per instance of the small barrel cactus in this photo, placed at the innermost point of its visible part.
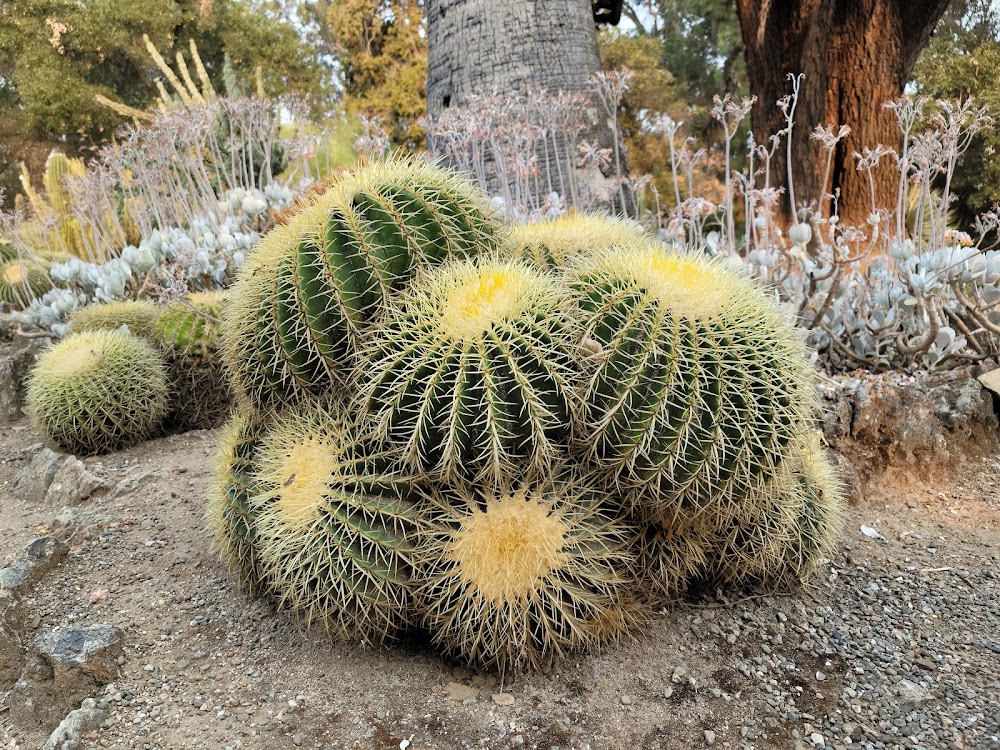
(139, 316)
(7, 251)
(315, 283)
(227, 513)
(98, 391)
(333, 530)
(473, 374)
(515, 578)
(554, 242)
(698, 385)
(188, 330)
(191, 326)
(21, 281)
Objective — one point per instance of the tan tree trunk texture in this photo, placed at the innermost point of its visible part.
(482, 46)
(856, 56)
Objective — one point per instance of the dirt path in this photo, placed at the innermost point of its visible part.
(896, 644)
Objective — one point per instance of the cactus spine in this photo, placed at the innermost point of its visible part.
(473, 375)
(21, 281)
(139, 316)
(228, 512)
(553, 243)
(98, 391)
(516, 577)
(313, 286)
(698, 385)
(334, 530)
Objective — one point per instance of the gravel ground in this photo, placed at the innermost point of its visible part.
(896, 644)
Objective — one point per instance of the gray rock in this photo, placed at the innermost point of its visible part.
(72, 484)
(91, 650)
(39, 557)
(16, 361)
(33, 481)
(64, 667)
(72, 728)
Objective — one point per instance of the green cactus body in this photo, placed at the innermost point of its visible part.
(518, 577)
(189, 332)
(21, 281)
(191, 326)
(786, 527)
(139, 316)
(98, 391)
(334, 530)
(474, 372)
(313, 286)
(555, 242)
(698, 385)
(228, 511)
(7, 252)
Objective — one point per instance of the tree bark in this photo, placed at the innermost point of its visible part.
(856, 56)
(482, 46)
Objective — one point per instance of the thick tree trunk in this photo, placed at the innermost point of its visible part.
(856, 56)
(482, 46)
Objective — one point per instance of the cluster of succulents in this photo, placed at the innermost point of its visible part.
(519, 444)
(202, 256)
(128, 370)
(911, 309)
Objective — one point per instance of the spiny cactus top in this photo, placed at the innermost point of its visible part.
(334, 530)
(473, 372)
(97, 391)
(554, 242)
(302, 302)
(516, 577)
(698, 384)
(138, 315)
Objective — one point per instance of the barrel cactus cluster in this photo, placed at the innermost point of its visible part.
(130, 370)
(518, 442)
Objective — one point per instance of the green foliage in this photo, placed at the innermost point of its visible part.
(21, 281)
(333, 528)
(699, 384)
(474, 371)
(98, 391)
(138, 315)
(381, 48)
(550, 244)
(56, 56)
(519, 576)
(314, 285)
(228, 514)
(962, 61)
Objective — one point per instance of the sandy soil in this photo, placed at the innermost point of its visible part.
(207, 667)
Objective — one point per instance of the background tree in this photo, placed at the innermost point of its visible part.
(855, 55)
(480, 46)
(963, 61)
(381, 49)
(57, 55)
